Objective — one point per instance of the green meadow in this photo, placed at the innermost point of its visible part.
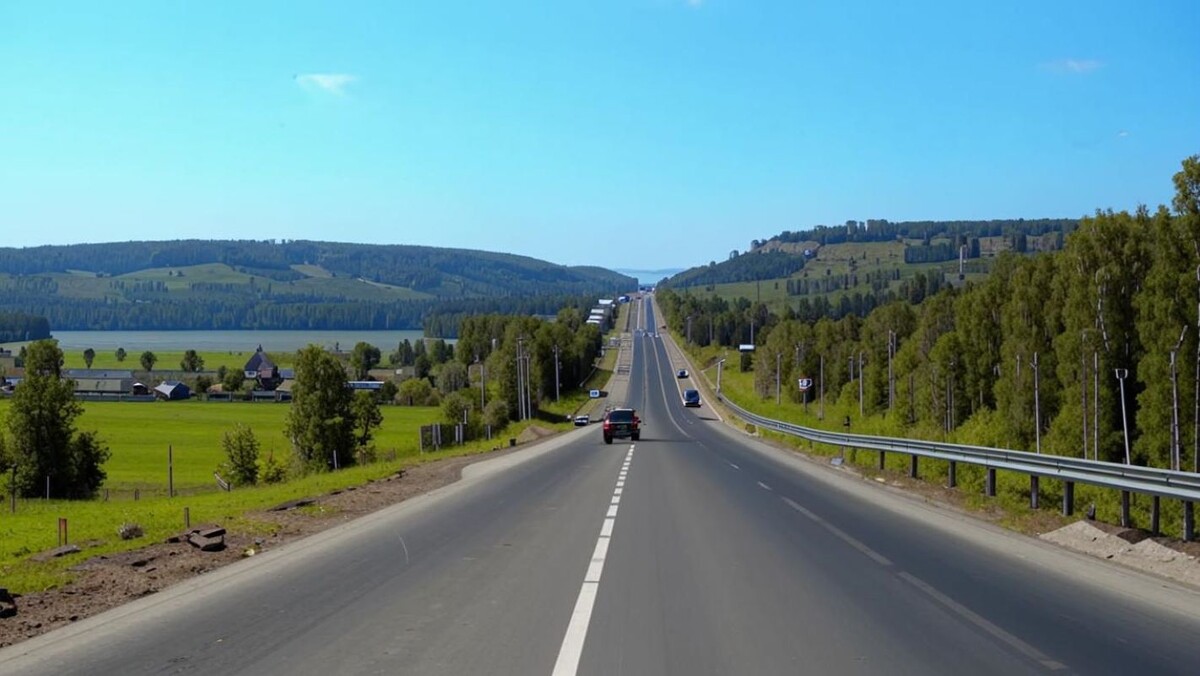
(169, 360)
(139, 434)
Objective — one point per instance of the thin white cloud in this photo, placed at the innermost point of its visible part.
(695, 3)
(1072, 66)
(1123, 133)
(333, 83)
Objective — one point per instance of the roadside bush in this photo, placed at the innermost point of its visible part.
(496, 414)
(241, 448)
(417, 392)
(271, 471)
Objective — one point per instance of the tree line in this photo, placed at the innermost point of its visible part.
(221, 312)
(19, 326)
(1091, 351)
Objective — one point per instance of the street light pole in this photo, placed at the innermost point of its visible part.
(1122, 374)
(720, 363)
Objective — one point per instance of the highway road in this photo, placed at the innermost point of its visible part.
(695, 550)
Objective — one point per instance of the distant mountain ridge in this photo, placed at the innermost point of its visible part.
(201, 284)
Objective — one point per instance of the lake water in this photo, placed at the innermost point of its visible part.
(223, 341)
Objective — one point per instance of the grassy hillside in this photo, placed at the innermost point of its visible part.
(829, 266)
(197, 284)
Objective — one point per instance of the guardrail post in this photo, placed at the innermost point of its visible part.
(989, 485)
(952, 478)
(1126, 521)
(882, 456)
(1033, 491)
(1068, 498)
(1189, 522)
(1154, 515)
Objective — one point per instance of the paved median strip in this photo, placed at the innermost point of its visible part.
(571, 650)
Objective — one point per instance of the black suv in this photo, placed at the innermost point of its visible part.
(621, 423)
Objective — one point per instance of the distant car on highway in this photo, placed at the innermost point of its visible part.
(691, 398)
(621, 423)
(582, 420)
(682, 373)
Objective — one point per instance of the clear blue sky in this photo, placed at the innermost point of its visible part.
(629, 133)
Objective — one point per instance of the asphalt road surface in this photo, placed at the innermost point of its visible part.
(695, 550)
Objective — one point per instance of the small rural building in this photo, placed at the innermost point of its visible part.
(265, 374)
(369, 385)
(284, 391)
(100, 382)
(8, 360)
(172, 390)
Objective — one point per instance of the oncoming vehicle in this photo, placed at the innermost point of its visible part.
(691, 398)
(621, 423)
(582, 420)
(682, 373)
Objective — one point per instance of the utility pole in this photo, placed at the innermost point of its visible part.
(521, 378)
(1037, 408)
(778, 362)
(860, 384)
(821, 408)
(556, 374)
(891, 374)
(720, 363)
(1083, 389)
(1176, 450)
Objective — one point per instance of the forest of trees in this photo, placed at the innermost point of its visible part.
(18, 326)
(1117, 306)
(435, 317)
(882, 230)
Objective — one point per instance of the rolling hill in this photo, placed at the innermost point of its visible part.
(852, 268)
(199, 284)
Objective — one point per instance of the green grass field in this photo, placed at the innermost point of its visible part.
(168, 360)
(138, 434)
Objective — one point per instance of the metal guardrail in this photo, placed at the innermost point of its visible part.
(1184, 486)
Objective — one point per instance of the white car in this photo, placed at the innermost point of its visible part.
(582, 420)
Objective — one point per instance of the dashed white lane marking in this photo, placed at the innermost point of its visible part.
(975, 619)
(571, 650)
(840, 534)
(734, 466)
(606, 529)
(763, 486)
